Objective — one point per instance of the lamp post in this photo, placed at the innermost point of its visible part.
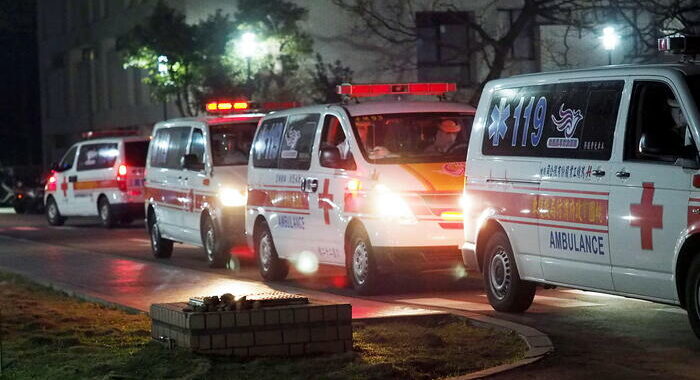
(610, 41)
(163, 71)
(247, 48)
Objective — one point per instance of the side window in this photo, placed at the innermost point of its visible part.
(267, 142)
(159, 148)
(97, 156)
(564, 120)
(197, 146)
(169, 145)
(298, 141)
(68, 159)
(332, 135)
(657, 129)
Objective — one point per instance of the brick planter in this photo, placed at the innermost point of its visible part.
(270, 331)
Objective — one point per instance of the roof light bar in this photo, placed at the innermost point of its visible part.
(367, 90)
(228, 106)
(689, 45)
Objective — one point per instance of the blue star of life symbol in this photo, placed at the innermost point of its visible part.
(498, 126)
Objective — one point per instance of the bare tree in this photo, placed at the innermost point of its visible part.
(393, 22)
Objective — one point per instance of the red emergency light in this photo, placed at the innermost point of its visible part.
(109, 133)
(367, 90)
(226, 106)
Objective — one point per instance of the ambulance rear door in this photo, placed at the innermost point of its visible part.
(64, 187)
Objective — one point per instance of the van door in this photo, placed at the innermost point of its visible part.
(650, 191)
(165, 184)
(95, 175)
(64, 187)
(193, 185)
(574, 191)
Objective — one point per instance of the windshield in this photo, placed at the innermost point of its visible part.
(230, 143)
(413, 137)
(136, 153)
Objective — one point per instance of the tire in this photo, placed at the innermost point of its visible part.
(361, 263)
(692, 293)
(504, 288)
(272, 268)
(104, 209)
(218, 253)
(53, 215)
(160, 247)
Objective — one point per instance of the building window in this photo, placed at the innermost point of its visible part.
(524, 45)
(444, 42)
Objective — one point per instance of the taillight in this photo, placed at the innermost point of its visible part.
(121, 177)
(50, 184)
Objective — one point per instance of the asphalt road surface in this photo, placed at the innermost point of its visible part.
(594, 335)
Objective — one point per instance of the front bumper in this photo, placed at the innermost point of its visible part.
(391, 259)
(471, 261)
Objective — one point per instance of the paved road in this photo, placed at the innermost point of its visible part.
(594, 334)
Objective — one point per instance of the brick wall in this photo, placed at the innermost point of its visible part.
(271, 331)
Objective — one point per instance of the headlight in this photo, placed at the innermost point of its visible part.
(390, 205)
(232, 198)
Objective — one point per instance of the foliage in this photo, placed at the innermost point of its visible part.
(326, 76)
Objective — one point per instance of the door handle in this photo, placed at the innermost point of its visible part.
(73, 178)
(314, 185)
(622, 174)
(598, 173)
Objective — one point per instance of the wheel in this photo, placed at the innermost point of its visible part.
(53, 216)
(361, 265)
(160, 247)
(218, 253)
(504, 288)
(106, 215)
(272, 268)
(692, 295)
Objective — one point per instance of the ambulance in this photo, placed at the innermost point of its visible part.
(196, 179)
(373, 187)
(102, 177)
(588, 179)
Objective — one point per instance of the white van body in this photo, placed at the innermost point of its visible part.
(204, 204)
(402, 210)
(101, 177)
(589, 178)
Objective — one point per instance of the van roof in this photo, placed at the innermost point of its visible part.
(384, 107)
(115, 139)
(617, 70)
(216, 119)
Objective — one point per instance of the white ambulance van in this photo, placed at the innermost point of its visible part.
(588, 179)
(370, 186)
(196, 179)
(98, 177)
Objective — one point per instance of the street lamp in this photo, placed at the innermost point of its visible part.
(247, 48)
(610, 41)
(163, 71)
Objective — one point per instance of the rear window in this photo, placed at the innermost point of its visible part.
(97, 156)
(136, 153)
(566, 120)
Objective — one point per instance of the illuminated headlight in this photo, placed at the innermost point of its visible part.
(389, 204)
(232, 198)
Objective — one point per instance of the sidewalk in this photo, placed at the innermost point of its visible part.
(136, 284)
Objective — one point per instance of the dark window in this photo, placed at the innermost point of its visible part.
(567, 120)
(657, 129)
(197, 146)
(97, 156)
(230, 143)
(68, 159)
(444, 47)
(135, 153)
(267, 142)
(169, 145)
(298, 141)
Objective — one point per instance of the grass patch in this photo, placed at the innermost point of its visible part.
(48, 335)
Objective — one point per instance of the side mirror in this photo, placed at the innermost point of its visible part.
(191, 162)
(54, 167)
(330, 158)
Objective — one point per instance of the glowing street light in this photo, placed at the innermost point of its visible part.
(163, 71)
(610, 40)
(248, 47)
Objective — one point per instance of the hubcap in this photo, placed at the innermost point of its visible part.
(209, 242)
(500, 273)
(104, 211)
(360, 263)
(53, 212)
(265, 249)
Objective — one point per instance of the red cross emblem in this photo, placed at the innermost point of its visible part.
(64, 187)
(325, 200)
(647, 215)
